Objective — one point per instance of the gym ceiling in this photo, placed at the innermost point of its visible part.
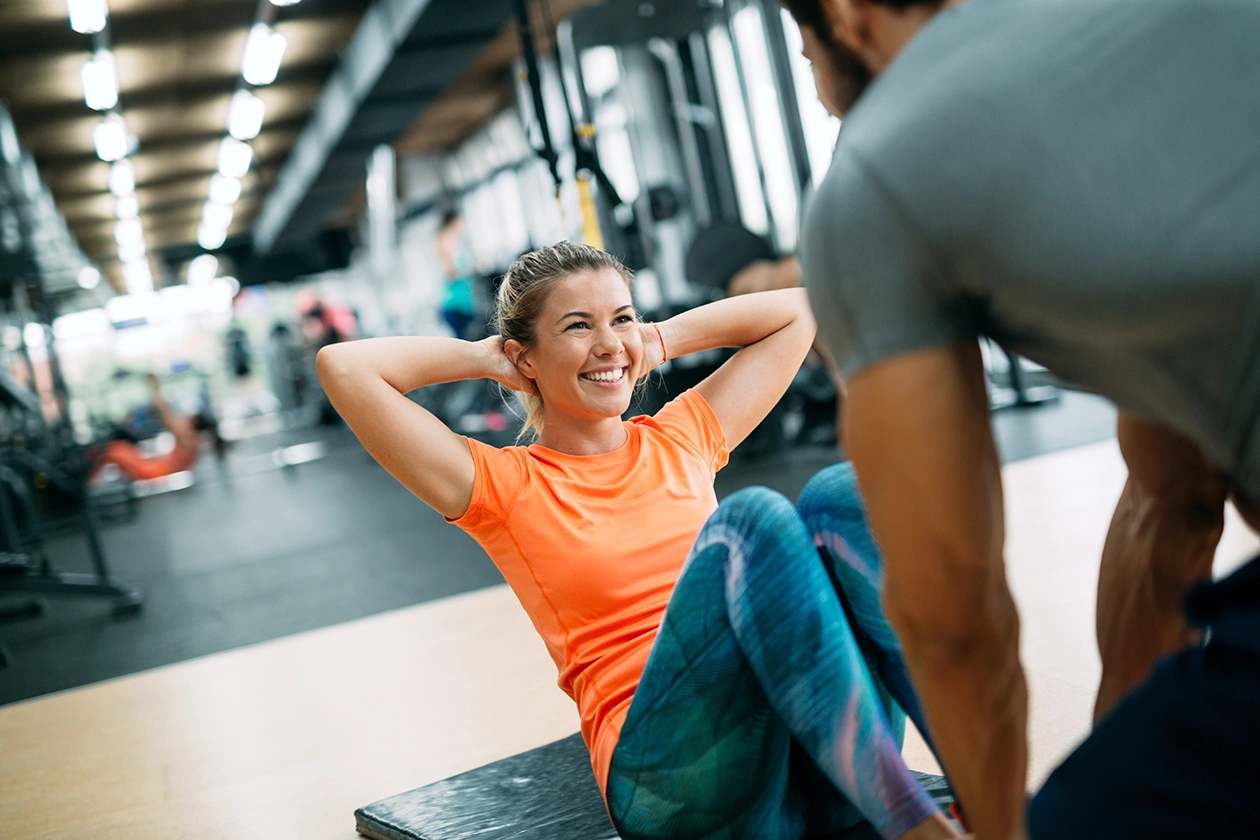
(418, 74)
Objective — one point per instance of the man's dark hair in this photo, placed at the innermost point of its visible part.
(449, 217)
(810, 12)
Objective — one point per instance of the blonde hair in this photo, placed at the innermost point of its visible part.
(524, 292)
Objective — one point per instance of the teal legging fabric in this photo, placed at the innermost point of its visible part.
(766, 708)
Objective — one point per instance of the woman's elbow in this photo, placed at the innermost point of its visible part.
(331, 364)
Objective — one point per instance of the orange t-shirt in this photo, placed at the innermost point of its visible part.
(593, 544)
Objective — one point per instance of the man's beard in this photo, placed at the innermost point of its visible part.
(848, 74)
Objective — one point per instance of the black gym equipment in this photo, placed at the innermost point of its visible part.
(721, 250)
(547, 793)
(43, 491)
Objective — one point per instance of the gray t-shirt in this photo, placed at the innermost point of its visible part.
(1078, 179)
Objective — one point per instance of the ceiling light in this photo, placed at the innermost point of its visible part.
(126, 206)
(285, 2)
(202, 270)
(131, 251)
(100, 81)
(210, 238)
(263, 50)
(33, 334)
(234, 158)
(89, 277)
(245, 118)
(88, 16)
(216, 215)
(138, 277)
(224, 190)
(128, 230)
(110, 137)
(122, 177)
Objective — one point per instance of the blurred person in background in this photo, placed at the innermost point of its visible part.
(459, 298)
(124, 452)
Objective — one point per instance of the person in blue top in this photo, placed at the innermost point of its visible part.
(1080, 181)
(459, 302)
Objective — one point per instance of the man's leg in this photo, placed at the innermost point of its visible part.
(1162, 539)
(1180, 755)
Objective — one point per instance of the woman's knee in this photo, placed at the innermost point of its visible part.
(832, 492)
(759, 521)
(834, 514)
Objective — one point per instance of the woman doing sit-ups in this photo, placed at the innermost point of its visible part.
(722, 690)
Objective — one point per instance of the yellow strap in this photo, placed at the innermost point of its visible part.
(591, 233)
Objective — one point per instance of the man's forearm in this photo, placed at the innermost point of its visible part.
(976, 701)
(922, 443)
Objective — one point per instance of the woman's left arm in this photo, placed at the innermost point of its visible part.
(774, 331)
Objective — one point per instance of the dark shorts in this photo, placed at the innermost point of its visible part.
(1180, 757)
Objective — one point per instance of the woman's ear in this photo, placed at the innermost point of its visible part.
(515, 351)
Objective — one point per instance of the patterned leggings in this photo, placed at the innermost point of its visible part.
(771, 705)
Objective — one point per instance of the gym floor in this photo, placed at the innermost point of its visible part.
(283, 734)
(254, 550)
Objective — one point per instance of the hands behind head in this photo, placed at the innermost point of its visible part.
(501, 368)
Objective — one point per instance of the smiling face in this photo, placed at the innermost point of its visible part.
(587, 353)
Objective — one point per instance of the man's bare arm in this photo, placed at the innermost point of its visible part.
(918, 432)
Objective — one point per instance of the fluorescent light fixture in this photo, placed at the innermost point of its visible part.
(128, 230)
(210, 238)
(110, 138)
(131, 250)
(224, 190)
(83, 324)
(202, 269)
(739, 135)
(122, 178)
(88, 16)
(126, 207)
(234, 158)
(100, 81)
(33, 334)
(766, 112)
(216, 215)
(263, 50)
(245, 117)
(285, 2)
(89, 277)
(138, 277)
(601, 70)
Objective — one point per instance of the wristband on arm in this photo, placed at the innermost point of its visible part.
(664, 352)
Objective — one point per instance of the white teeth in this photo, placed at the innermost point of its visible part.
(605, 376)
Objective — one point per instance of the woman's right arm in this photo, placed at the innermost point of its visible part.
(367, 381)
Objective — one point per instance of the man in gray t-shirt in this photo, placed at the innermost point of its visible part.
(1080, 180)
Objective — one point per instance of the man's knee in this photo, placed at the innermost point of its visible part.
(1170, 477)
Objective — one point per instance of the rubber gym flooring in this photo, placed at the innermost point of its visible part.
(255, 550)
